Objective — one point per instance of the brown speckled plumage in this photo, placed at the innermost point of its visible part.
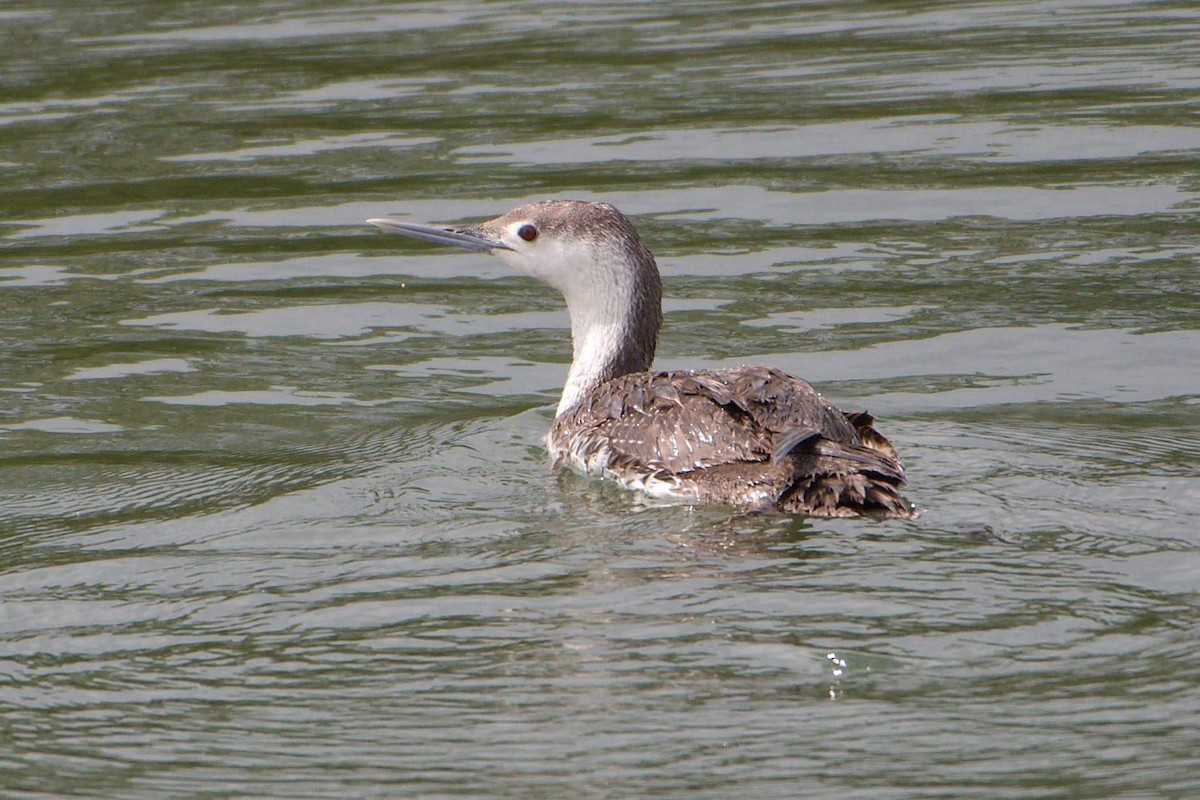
(752, 437)
(716, 435)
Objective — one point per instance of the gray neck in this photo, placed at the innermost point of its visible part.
(614, 327)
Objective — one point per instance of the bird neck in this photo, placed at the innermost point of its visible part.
(614, 331)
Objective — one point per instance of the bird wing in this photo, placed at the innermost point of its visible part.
(688, 420)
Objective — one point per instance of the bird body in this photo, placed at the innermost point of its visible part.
(751, 437)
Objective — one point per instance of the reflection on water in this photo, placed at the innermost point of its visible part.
(928, 136)
(275, 516)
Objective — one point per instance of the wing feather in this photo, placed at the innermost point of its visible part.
(684, 421)
(751, 434)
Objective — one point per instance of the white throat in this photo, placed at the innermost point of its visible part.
(597, 338)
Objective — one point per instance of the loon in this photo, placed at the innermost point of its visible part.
(751, 437)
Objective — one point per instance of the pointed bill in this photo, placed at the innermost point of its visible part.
(469, 238)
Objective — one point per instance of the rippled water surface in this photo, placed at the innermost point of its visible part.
(275, 517)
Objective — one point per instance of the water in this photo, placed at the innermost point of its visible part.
(275, 516)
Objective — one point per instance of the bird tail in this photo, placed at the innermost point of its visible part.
(834, 479)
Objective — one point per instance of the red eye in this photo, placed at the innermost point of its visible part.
(527, 232)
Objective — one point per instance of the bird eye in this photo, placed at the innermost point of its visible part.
(527, 232)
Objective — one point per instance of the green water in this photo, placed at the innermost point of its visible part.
(275, 517)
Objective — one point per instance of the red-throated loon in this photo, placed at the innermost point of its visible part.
(752, 437)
